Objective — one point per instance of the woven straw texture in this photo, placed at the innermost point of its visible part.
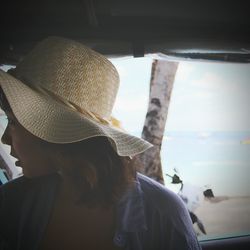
(74, 73)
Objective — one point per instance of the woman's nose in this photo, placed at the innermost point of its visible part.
(6, 137)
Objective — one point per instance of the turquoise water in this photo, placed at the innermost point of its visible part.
(217, 160)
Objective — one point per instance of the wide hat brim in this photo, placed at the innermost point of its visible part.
(54, 122)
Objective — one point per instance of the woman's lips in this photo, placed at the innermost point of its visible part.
(18, 163)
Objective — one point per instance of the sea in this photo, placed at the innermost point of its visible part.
(215, 160)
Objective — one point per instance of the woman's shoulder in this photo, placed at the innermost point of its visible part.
(15, 185)
(11, 195)
(21, 196)
(159, 197)
(16, 190)
(153, 188)
(167, 215)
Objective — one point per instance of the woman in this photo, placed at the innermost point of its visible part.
(79, 188)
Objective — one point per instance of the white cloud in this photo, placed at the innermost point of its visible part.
(122, 71)
(221, 163)
(202, 95)
(167, 138)
(210, 82)
(210, 102)
(227, 143)
(204, 135)
(131, 111)
(185, 69)
(220, 85)
(131, 104)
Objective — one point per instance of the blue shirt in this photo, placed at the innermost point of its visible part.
(149, 216)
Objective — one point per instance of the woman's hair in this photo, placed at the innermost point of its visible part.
(99, 174)
(96, 169)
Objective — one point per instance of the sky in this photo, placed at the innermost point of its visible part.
(206, 96)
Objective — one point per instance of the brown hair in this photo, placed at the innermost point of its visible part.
(96, 169)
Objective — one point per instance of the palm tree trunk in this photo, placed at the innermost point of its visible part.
(161, 84)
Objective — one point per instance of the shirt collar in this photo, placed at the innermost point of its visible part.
(131, 210)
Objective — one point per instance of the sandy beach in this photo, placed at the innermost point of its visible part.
(225, 216)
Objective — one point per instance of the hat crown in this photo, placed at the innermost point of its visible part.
(72, 71)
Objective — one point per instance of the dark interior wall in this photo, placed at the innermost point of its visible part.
(127, 27)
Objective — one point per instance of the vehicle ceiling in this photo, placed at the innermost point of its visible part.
(218, 30)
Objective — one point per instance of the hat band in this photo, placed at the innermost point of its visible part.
(89, 114)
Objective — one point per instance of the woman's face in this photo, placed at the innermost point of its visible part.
(32, 154)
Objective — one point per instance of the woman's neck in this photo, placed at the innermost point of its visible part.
(68, 192)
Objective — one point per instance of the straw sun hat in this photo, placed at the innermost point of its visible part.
(64, 92)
